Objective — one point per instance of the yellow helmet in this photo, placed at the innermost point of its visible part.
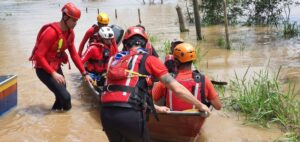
(184, 52)
(103, 18)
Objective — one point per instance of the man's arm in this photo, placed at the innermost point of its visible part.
(87, 35)
(76, 59)
(212, 94)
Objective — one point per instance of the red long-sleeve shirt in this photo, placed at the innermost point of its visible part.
(46, 52)
(95, 52)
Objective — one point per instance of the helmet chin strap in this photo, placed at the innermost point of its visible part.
(65, 21)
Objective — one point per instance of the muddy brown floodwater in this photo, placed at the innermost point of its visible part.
(32, 121)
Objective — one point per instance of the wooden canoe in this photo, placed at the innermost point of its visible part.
(93, 88)
(176, 126)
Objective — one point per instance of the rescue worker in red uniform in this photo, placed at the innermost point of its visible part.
(92, 34)
(98, 53)
(169, 59)
(149, 47)
(125, 97)
(49, 53)
(198, 84)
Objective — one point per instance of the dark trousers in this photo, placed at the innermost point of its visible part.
(62, 96)
(124, 124)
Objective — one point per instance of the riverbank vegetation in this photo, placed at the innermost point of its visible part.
(262, 99)
(275, 13)
(290, 29)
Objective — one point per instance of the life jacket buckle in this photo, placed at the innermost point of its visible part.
(107, 88)
(59, 55)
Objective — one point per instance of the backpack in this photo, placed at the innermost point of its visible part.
(119, 66)
(170, 64)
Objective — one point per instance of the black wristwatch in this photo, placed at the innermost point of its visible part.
(84, 74)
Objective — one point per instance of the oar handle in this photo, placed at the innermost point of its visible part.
(198, 113)
(203, 113)
(218, 82)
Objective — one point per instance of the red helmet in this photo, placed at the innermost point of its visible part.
(71, 10)
(131, 31)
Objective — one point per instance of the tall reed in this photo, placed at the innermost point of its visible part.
(290, 29)
(261, 99)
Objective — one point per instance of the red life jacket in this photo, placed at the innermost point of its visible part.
(99, 65)
(126, 83)
(170, 63)
(195, 85)
(95, 37)
(54, 58)
(149, 48)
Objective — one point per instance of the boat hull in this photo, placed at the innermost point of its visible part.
(175, 127)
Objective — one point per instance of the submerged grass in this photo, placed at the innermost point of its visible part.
(261, 99)
(290, 29)
(164, 49)
(199, 56)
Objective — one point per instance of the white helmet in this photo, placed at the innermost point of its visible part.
(106, 32)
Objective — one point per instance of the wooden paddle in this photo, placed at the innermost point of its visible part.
(190, 112)
(218, 82)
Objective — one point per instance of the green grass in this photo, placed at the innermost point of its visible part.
(261, 99)
(199, 56)
(221, 89)
(290, 29)
(221, 42)
(164, 49)
(152, 38)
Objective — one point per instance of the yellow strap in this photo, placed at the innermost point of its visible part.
(136, 73)
(191, 110)
(94, 82)
(60, 43)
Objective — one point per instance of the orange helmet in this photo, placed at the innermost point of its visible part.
(135, 35)
(103, 18)
(71, 10)
(184, 52)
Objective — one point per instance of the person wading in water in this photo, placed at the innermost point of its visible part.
(49, 54)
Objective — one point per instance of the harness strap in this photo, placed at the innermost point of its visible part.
(196, 92)
(170, 100)
(118, 88)
(198, 77)
(96, 28)
(147, 98)
(99, 62)
(203, 98)
(41, 31)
